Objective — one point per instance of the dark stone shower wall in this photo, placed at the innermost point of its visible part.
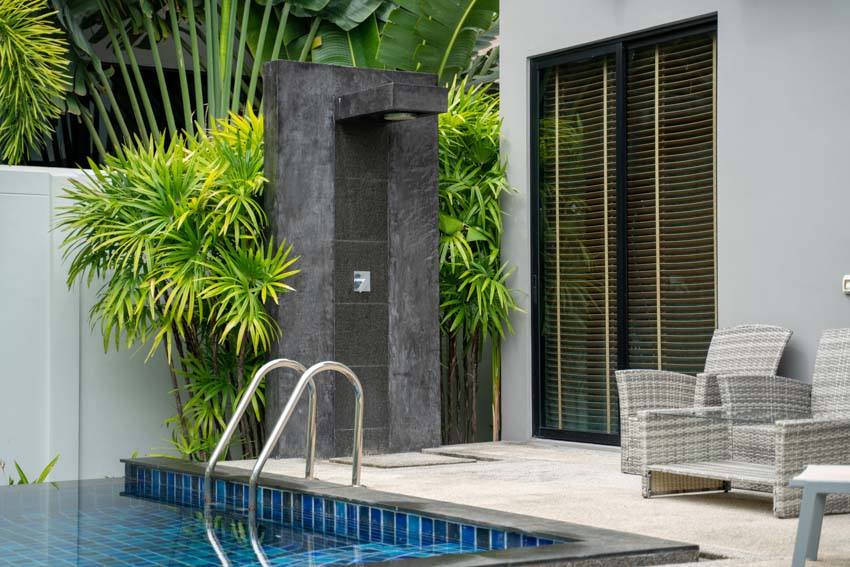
(358, 195)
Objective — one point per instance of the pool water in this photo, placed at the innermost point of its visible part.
(97, 523)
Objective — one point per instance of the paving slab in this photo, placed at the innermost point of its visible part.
(583, 484)
(405, 460)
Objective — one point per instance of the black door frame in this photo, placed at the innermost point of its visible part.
(620, 47)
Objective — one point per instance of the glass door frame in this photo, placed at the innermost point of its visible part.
(619, 47)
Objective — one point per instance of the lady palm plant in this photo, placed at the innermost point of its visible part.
(32, 76)
(476, 301)
(175, 234)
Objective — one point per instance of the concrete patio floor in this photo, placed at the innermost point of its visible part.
(583, 484)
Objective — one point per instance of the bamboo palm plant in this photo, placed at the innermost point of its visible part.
(219, 47)
(32, 76)
(476, 301)
(174, 233)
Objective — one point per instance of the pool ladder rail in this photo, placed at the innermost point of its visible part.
(305, 382)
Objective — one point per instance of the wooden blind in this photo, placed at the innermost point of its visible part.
(671, 204)
(577, 191)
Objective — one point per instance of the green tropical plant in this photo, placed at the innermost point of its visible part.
(475, 299)
(32, 76)
(174, 232)
(22, 478)
(437, 36)
(224, 43)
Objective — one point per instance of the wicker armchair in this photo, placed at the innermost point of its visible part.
(750, 348)
(813, 426)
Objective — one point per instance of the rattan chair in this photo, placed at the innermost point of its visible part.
(814, 427)
(745, 348)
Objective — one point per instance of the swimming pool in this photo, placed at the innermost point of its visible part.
(154, 516)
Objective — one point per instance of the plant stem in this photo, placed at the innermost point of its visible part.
(181, 67)
(140, 83)
(308, 45)
(281, 28)
(122, 65)
(496, 382)
(116, 110)
(258, 55)
(177, 399)
(209, 41)
(228, 26)
(98, 102)
(196, 66)
(240, 58)
(452, 378)
(84, 114)
(473, 379)
(163, 90)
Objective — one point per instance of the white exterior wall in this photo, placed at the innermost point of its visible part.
(59, 393)
(783, 187)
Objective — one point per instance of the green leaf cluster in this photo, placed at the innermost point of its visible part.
(175, 234)
(32, 76)
(223, 45)
(474, 290)
(23, 479)
(476, 301)
(439, 36)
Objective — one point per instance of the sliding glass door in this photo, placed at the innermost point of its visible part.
(624, 224)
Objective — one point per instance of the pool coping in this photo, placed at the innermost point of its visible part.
(586, 545)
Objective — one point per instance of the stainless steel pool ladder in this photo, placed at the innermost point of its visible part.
(305, 382)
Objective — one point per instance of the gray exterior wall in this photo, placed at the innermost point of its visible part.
(782, 162)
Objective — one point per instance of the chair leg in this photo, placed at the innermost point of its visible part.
(809, 527)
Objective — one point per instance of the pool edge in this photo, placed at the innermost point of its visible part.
(588, 546)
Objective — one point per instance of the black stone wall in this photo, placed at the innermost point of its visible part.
(355, 195)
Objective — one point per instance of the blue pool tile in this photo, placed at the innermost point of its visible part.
(453, 532)
(388, 523)
(413, 523)
(427, 527)
(400, 528)
(277, 505)
(497, 539)
(375, 524)
(339, 518)
(387, 534)
(514, 540)
(467, 536)
(363, 517)
(482, 538)
(297, 509)
(351, 518)
(318, 514)
(439, 531)
(306, 510)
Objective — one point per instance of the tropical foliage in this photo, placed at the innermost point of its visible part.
(475, 300)
(32, 76)
(23, 479)
(174, 232)
(221, 45)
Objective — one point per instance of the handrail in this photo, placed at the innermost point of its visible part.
(306, 380)
(240, 411)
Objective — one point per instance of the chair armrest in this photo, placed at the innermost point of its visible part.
(673, 436)
(653, 389)
(775, 397)
(802, 442)
(707, 392)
